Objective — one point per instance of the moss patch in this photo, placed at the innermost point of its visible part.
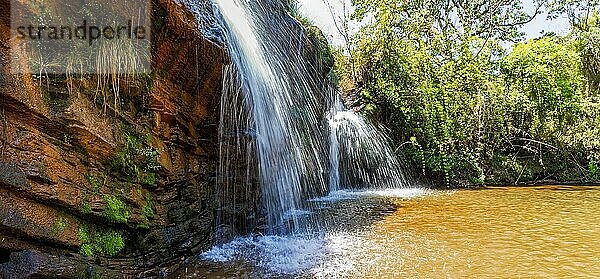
(59, 226)
(96, 182)
(147, 212)
(108, 243)
(116, 210)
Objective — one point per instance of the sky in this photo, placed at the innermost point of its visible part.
(318, 12)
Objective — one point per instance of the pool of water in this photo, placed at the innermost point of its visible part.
(500, 232)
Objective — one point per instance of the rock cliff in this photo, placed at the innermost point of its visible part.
(89, 189)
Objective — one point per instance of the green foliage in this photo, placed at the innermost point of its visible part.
(460, 107)
(589, 46)
(82, 234)
(147, 209)
(95, 182)
(593, 170)
(86, 207)
(87, 250)
(148, 179)
(579, 12)
(544, 86)
(116, 210)
(108, 243)
(137, 160)
(323, 51)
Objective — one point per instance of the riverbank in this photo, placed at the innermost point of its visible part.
(527, 184)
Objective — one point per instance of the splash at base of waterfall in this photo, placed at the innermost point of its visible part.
(406, 193)
(319, 253)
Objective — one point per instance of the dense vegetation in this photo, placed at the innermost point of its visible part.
(466, 99)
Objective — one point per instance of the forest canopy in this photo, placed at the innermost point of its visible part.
(466, 99)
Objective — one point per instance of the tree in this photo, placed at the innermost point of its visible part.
(579, 12)
(429, 72)
(462, 109)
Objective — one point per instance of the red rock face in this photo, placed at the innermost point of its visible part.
(57, 142)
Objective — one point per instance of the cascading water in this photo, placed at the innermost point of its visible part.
(285, 114)
(284, 128)
(274, 100)
(360, 156)
(285, 123)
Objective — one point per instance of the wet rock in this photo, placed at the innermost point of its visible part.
(58, 146)
(33, 263)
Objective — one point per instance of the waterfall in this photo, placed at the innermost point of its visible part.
(285, 115)
(286, 124)
(334, 147)
(360, 156)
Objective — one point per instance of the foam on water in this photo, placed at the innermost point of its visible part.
(290, 255)
(402, 193)
(276, 254)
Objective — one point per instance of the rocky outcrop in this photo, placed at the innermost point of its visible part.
(88, 189)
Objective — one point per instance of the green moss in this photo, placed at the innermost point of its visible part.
(59, 226)
(95, 182)
(144, 225)
(86, 207)
(87, 250)
(148, 179)
(108, 243)
(147, 212)
(116, 210)
(82, 234)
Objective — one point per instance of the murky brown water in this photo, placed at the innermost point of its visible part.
(543, 232)
(535, 232)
